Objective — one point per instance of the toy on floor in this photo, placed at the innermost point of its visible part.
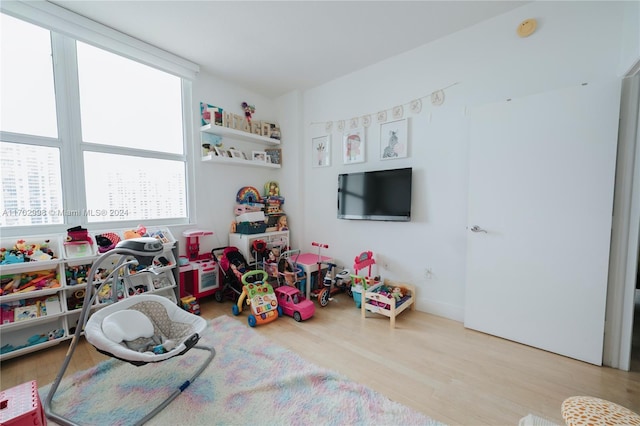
(294, 304)
(332, 282)
(260, 297)
(361, 282)
(390, 299)
(232, 266)
(289, 273)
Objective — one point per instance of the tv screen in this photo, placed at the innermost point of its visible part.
(375, 195)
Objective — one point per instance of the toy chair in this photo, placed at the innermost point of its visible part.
(259, 295)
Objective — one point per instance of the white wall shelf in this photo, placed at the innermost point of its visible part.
(238, 134)
(238, 162)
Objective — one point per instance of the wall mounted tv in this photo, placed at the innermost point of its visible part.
(375, 195)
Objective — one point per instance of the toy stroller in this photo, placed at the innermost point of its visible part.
(232, 266)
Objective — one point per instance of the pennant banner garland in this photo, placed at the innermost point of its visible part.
(397, 112)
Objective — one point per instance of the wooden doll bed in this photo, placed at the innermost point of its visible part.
(373, 301)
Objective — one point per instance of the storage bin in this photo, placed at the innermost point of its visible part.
(249, 228)
(357, 295)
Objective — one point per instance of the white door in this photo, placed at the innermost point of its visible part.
(541, 182)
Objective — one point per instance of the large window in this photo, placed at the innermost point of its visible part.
(106, 145)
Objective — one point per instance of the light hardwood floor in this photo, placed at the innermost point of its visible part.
(434, 365)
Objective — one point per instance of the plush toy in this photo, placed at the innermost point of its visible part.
(397, 293)
(141, 231)
(56, 334)
(248, 110)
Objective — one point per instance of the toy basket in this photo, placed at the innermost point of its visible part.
(249, 228)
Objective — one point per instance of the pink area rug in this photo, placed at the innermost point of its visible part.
(250, 381)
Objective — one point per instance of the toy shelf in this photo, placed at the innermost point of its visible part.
(46, 311)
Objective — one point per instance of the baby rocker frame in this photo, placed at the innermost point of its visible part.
(143, 250)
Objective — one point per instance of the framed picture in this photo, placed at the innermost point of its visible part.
(275, 154)
(235, 153)
(321, 151)
(274, 131)
(265, 128)
(220, 152)
(393, 140)
(353, 144)
(259, 156)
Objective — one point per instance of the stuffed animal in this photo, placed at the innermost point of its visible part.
(397, 293)
(248, 110)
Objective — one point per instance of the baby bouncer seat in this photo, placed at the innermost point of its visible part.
(142, 329)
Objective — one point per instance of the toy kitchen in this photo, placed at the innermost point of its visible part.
(199, 273)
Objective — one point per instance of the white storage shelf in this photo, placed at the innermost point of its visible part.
(49, 322)
(244, 242)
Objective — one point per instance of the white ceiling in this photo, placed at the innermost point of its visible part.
(273, 47)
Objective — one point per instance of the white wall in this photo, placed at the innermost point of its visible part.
(217, 184)
(574, 43)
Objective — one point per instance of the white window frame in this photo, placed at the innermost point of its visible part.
(67, 27)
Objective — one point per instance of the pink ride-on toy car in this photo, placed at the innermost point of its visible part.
(294, 304)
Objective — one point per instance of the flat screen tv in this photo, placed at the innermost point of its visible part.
(375, 195)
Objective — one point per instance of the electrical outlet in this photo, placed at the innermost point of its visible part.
(428, 273)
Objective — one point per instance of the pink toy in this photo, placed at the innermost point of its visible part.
(294, 304)
(362, 261)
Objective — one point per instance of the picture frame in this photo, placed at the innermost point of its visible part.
(275, 154)
(235, 153)
(353, 146)
(265, 128)
(394, 140)
(220, 152)
(321, 151)
(274, 131)
(260, 156)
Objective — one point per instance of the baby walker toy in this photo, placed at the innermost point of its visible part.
(330, 284)
(260, 297)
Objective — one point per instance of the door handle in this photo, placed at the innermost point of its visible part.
(476, 228)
